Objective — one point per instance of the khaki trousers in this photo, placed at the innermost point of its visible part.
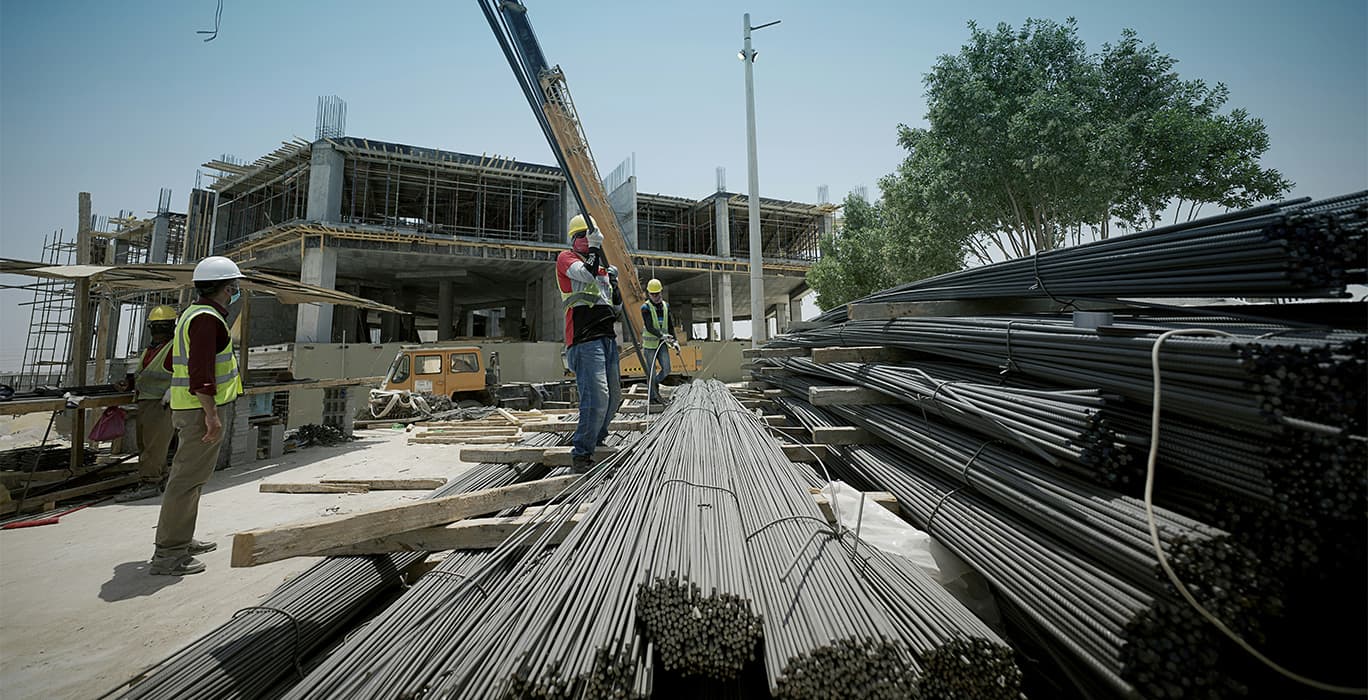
(190, 471)
(154, 439)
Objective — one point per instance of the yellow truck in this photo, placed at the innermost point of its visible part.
(456, 371)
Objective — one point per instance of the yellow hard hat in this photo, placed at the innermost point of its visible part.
(161, 313)
(654, 286)
(577, 224)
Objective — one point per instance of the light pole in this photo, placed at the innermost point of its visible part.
(759, 328)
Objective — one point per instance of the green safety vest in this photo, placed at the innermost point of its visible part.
(154, 380)
(661, 319)
(226, 378)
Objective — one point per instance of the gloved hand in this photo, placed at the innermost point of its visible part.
(166, 397)
(605, 287)
(612, 272)
(595, 238)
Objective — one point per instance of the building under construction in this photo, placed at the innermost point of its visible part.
(468, 243)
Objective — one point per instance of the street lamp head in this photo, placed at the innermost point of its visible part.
(741, 55)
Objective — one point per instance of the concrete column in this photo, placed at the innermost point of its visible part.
(347, 319)
(494, 325)
(389, 323)
(445, 329)
(314, 322)
(724, 301)
(469, 323)
(325, 184)
(722, 225)
(161, 231)
(781, 317)
(513, 320)
(795, 309)
(552, 316)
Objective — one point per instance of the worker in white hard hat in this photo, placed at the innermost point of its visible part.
(589, 294)
(204, 382)
(152, 382)
(656, 338)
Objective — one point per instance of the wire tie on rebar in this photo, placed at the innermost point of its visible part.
(934, 511)
(1010, 366)
(457, 574)
(1040, 284)
(964, 473)
(701, 486)
(299, 669)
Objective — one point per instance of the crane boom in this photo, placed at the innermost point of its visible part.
(549, 96)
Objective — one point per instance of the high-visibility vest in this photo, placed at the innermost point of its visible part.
(580, 294)
(660, 319)
(226, 378)
(154, 380)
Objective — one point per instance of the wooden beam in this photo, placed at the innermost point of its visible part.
(964, 307)
(308, 538)
(846, 396)
(805, 453)
(881, 498)
(313, 488)
(844, 435)
(553, 456)
(509, 417)
(456, 440)
(17, 407)
(311, 384)
(479, 533)
(35, 502)
(417, 484)
(16, 479)
(569, 427)
(773, 352)
(868, 353)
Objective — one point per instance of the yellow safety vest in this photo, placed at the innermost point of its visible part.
(661, 319)
(154, 380)
(226, 378)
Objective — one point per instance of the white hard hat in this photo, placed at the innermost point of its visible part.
(215, 268)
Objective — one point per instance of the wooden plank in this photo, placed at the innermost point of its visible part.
(17, 479)
(18, 407)
(479, 533)
(881, 498)
(846, 396)
(773, 352)
(311, 384)
(509, 417)
(313, 488)
(965, 307)
(569, 427)
(804, 453)
(864, 353)
(844, 435)
(553, 456)
(775, 419)
(449, 440)
(303, 539)
(415, 484)
(36, 502)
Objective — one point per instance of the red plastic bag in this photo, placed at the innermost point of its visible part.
(110, 426)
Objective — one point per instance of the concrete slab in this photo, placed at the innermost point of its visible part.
(79, 614)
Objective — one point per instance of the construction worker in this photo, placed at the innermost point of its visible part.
(591, 299)
(204, 380)
(152, 381)
(655, 321)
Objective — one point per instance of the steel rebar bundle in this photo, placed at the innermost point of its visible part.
(1298, 248)
(263, 645)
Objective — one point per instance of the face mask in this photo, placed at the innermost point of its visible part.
(236, 295)
(580, 244)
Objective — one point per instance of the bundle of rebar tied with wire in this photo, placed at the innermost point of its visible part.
(1299, 248)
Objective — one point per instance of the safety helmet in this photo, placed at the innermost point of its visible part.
(577, 224)
(161, 313)
(216, 268)
(654, 286)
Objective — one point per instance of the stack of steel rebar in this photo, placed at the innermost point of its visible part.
(1299, 248)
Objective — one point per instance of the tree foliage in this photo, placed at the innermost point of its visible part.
(1034, 143)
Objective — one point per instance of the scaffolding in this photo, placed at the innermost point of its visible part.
(45, 352)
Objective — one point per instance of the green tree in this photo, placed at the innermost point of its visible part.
(1034, 143)
(852, 263)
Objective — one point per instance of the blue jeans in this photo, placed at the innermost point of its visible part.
(662, 358)
(595, 364)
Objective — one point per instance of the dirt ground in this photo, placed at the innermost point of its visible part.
(79, 613)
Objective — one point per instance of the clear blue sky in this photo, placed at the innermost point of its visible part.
(121, 99)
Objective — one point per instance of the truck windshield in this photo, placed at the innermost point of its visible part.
(399, 371)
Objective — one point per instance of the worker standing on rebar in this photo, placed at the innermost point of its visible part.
(656, 338)
(152, 381)
(589, 293)
(204, 380)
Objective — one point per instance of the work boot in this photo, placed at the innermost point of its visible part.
(176, 566)
(200, 547)
(146, 489)
(581, 464)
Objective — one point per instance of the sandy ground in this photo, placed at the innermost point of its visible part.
(79, 614)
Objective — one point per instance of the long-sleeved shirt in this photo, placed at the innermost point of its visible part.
(649, 324)
(583, 323)
(208, 338)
